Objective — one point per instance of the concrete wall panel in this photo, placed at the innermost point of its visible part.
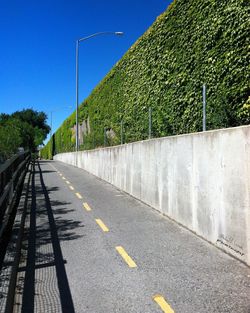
(200, 180)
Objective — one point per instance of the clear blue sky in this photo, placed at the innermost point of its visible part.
(37, 54)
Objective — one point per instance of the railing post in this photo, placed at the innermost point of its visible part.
(149, 123)
(105, 137)
(204, 107)
(121, 132)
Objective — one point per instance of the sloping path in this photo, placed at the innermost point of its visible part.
(92, 248)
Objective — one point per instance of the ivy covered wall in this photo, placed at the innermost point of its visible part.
(193, 42)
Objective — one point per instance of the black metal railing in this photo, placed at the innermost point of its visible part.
(12, 175)
(8, 168)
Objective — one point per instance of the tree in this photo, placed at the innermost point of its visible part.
(10, 139)
(37, 126)
(26, 128)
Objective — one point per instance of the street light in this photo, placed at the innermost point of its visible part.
(51, 112)
(77, 75)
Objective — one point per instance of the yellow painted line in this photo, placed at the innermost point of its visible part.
(67, 182)
(63, 178)
(86, 206)
(78, 195)
(125, 256)
(71, 187)
(166, 308)
(102, 225)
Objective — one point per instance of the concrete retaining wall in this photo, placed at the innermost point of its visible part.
(200, 180)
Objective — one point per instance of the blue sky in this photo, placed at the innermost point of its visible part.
(37, 55)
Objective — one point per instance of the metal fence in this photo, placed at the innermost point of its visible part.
(110, 135)
(12, 174)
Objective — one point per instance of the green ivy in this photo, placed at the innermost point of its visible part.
(192, 43)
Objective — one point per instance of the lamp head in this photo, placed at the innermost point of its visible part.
(119, 33)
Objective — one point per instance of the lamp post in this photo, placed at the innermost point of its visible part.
(51, 117)
(51, 124)
(77, 74)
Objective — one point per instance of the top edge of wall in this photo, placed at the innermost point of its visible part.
(202, 133)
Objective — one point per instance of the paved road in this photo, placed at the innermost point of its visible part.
(92, 248)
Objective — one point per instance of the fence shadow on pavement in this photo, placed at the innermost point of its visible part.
(45, 286)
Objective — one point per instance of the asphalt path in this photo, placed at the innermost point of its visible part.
(120, 255)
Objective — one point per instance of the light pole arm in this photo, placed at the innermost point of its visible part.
(77, 74)
(100, 33)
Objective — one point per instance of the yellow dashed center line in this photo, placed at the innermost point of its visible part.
(159, 299)
(102, 225)
(86, 206)
(125, 256)
(78, 195)
(166, 308)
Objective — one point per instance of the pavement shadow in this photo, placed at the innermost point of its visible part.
(45, 172)
(45, 265)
